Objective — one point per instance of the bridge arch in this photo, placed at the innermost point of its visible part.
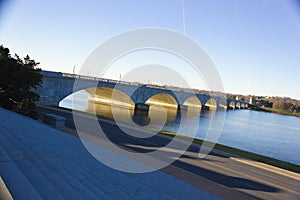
(242, 105)
(238, 105)
(110, 96)
(232, 105)
(223, 103)
(162, 99)
(211, 104)
(143, 93)
(192, 101)
(69, 101)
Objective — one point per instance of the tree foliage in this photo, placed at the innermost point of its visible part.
(18, 80)
(287, 106)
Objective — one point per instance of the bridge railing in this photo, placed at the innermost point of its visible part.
(165, 87)
(98, 79)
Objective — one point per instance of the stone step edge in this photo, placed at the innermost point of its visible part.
(4, 192)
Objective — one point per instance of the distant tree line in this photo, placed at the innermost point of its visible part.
(19, 77)
(278, 103)
(262, 102)
(281, 105)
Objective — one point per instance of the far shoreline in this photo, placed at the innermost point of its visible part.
(275, 111)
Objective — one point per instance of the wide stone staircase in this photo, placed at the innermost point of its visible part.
(39, 162)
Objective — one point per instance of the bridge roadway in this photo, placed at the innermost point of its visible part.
(220, 174)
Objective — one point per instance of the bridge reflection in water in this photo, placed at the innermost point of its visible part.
(140, 117)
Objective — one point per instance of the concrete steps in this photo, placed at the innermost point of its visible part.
(39, 162)
(81, 189)
(37, 180)
(116, 183)
(62, 186)
(60, 167)
(101, 180)
(16, 182)
(62, 174)
(43, 176)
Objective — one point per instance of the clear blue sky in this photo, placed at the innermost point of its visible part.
(255, 44)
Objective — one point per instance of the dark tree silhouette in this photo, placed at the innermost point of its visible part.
(18, 80)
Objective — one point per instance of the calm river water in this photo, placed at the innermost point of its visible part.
(268, 134)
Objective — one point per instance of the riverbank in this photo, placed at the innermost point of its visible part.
(245, 154)
(280, 112)
(276, 111)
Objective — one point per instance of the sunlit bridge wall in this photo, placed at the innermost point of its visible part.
(192, 107)
(100, 101)
(231, 105)
(162, 104)
(193, 101)
(75, 101)
(110, 96)
(223, 104)
(211, 104)
(162, 99)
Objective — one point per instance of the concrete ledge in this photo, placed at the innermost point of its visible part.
(55, 121)
(271, 168)
(4, 193)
